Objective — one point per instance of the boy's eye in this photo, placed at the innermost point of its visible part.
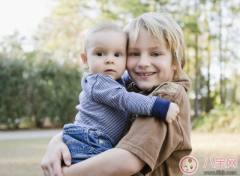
(133, 54)
(117, 55)
(156, 54)
(100, 54)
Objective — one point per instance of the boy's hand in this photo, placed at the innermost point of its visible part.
(56, 152)
(172, 112)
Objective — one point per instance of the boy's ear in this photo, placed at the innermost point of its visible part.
(84, 61)
(174, 66)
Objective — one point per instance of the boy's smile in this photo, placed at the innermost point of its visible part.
(148, 64)
(106, 53)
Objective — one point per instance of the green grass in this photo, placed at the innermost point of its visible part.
(23, 157)
(219, 119)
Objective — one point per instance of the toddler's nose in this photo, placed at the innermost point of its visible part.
(109, 60)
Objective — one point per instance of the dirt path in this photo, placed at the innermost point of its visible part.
(216, 144)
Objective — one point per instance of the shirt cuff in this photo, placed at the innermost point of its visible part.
(160, 108)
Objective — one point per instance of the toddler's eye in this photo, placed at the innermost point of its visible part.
(117, 55)
(156, 54)
(100, 54)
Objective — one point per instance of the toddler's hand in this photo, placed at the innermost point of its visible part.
(172, 112)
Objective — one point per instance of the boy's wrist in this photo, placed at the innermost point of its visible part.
(160, 108)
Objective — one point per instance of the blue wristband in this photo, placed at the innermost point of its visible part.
(160, 108)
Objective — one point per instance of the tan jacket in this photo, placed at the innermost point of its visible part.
(159, 144)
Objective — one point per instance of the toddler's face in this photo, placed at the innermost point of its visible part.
(106, 53)
(148, 64)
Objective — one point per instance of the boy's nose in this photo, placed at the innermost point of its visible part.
(144, 61)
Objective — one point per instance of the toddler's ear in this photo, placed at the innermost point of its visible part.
(84, 61)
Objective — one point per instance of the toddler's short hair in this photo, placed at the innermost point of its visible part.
(161, 28)
(102, 26)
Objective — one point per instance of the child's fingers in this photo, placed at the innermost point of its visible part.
(57, 170)
(46, 173)
(169, 121)
(176, 107)
(47, 168)
(50, 170)
(173, 118)
(66, 156)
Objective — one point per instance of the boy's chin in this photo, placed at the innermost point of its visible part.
(144, 86)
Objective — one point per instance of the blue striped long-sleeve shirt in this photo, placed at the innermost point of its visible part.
(105, 102)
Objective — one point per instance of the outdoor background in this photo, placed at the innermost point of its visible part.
(41, 71)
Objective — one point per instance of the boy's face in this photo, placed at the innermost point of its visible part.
(106, 53)
(148, 64)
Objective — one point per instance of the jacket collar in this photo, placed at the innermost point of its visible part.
(185, 82)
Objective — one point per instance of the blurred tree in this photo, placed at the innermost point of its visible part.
(220, 54)
(12, 86)
(210, 37)
(34, 87)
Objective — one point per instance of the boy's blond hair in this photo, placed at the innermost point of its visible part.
(103, 26)
(162, 28)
